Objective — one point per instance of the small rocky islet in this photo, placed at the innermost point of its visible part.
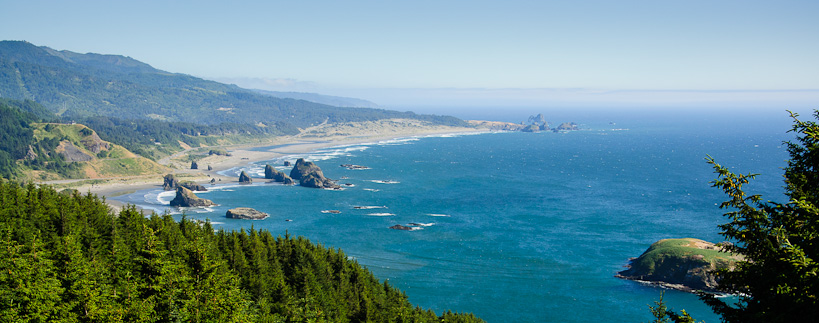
(684, 264)
(245, 213)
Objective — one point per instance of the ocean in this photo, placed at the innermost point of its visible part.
(519, 227)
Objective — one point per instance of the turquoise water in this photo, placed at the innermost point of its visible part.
(518, 226)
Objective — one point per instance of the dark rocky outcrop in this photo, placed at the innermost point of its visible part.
(684, 264)
(401, 227)
(94, 143)
(316, 180)
(186, 198)
(270, 172)
(194, 165)
(170, 182)
(71, 153)
(277, 176)
(30, 154)
(287, 164)
(244, 178)
(193, 186)
(210, 167)
(245, 213)
(310, 175)
(302, 168)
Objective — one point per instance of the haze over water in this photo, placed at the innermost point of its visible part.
(527, 227)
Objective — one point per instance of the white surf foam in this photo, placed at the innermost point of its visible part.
(381, 181)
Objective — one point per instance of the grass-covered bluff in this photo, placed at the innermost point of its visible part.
(686, 264)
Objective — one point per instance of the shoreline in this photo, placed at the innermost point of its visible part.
(242, 155)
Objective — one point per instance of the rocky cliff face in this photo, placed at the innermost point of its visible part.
(685, 264)
(186, 198)
(94, 143)
(71, 153)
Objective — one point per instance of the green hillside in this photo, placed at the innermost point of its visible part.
(77, 86)
(33, 147)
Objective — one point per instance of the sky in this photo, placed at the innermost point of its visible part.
(459, 53)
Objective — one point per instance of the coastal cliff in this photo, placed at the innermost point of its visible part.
(685, 264)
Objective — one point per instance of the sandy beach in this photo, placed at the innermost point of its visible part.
(312, 139)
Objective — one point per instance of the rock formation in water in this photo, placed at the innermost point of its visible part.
(170, 182)
(684, 264)
(566, 126)
(193, 186)
(244, 178)
(186, 198)
(302, 168)
(310, 175)
(245, 213)
(277, 176)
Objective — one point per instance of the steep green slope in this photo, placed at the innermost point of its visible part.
(67, 258)
(84, 85)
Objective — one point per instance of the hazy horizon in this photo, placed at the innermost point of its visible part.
(467, 54)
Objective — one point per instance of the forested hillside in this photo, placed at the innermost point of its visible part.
(17, 140)
(34, 147)
(65, 257)
(78, 86)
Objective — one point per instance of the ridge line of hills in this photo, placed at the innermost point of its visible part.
(147, 111)
(77, 86)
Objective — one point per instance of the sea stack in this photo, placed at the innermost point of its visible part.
(170, 183)
(194, 165)
(310, 175)
(244, 178)
(186, 198)
(277, 176)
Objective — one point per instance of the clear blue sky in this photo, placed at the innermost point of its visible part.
(356, 47)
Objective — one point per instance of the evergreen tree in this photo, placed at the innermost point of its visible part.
(779, 281)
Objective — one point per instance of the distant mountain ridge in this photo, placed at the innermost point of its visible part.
(77, 86)
(336, 101)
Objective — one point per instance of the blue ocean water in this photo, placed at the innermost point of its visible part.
(518, 227)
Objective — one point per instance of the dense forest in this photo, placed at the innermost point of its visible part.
(78, 86)
(64, 257)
